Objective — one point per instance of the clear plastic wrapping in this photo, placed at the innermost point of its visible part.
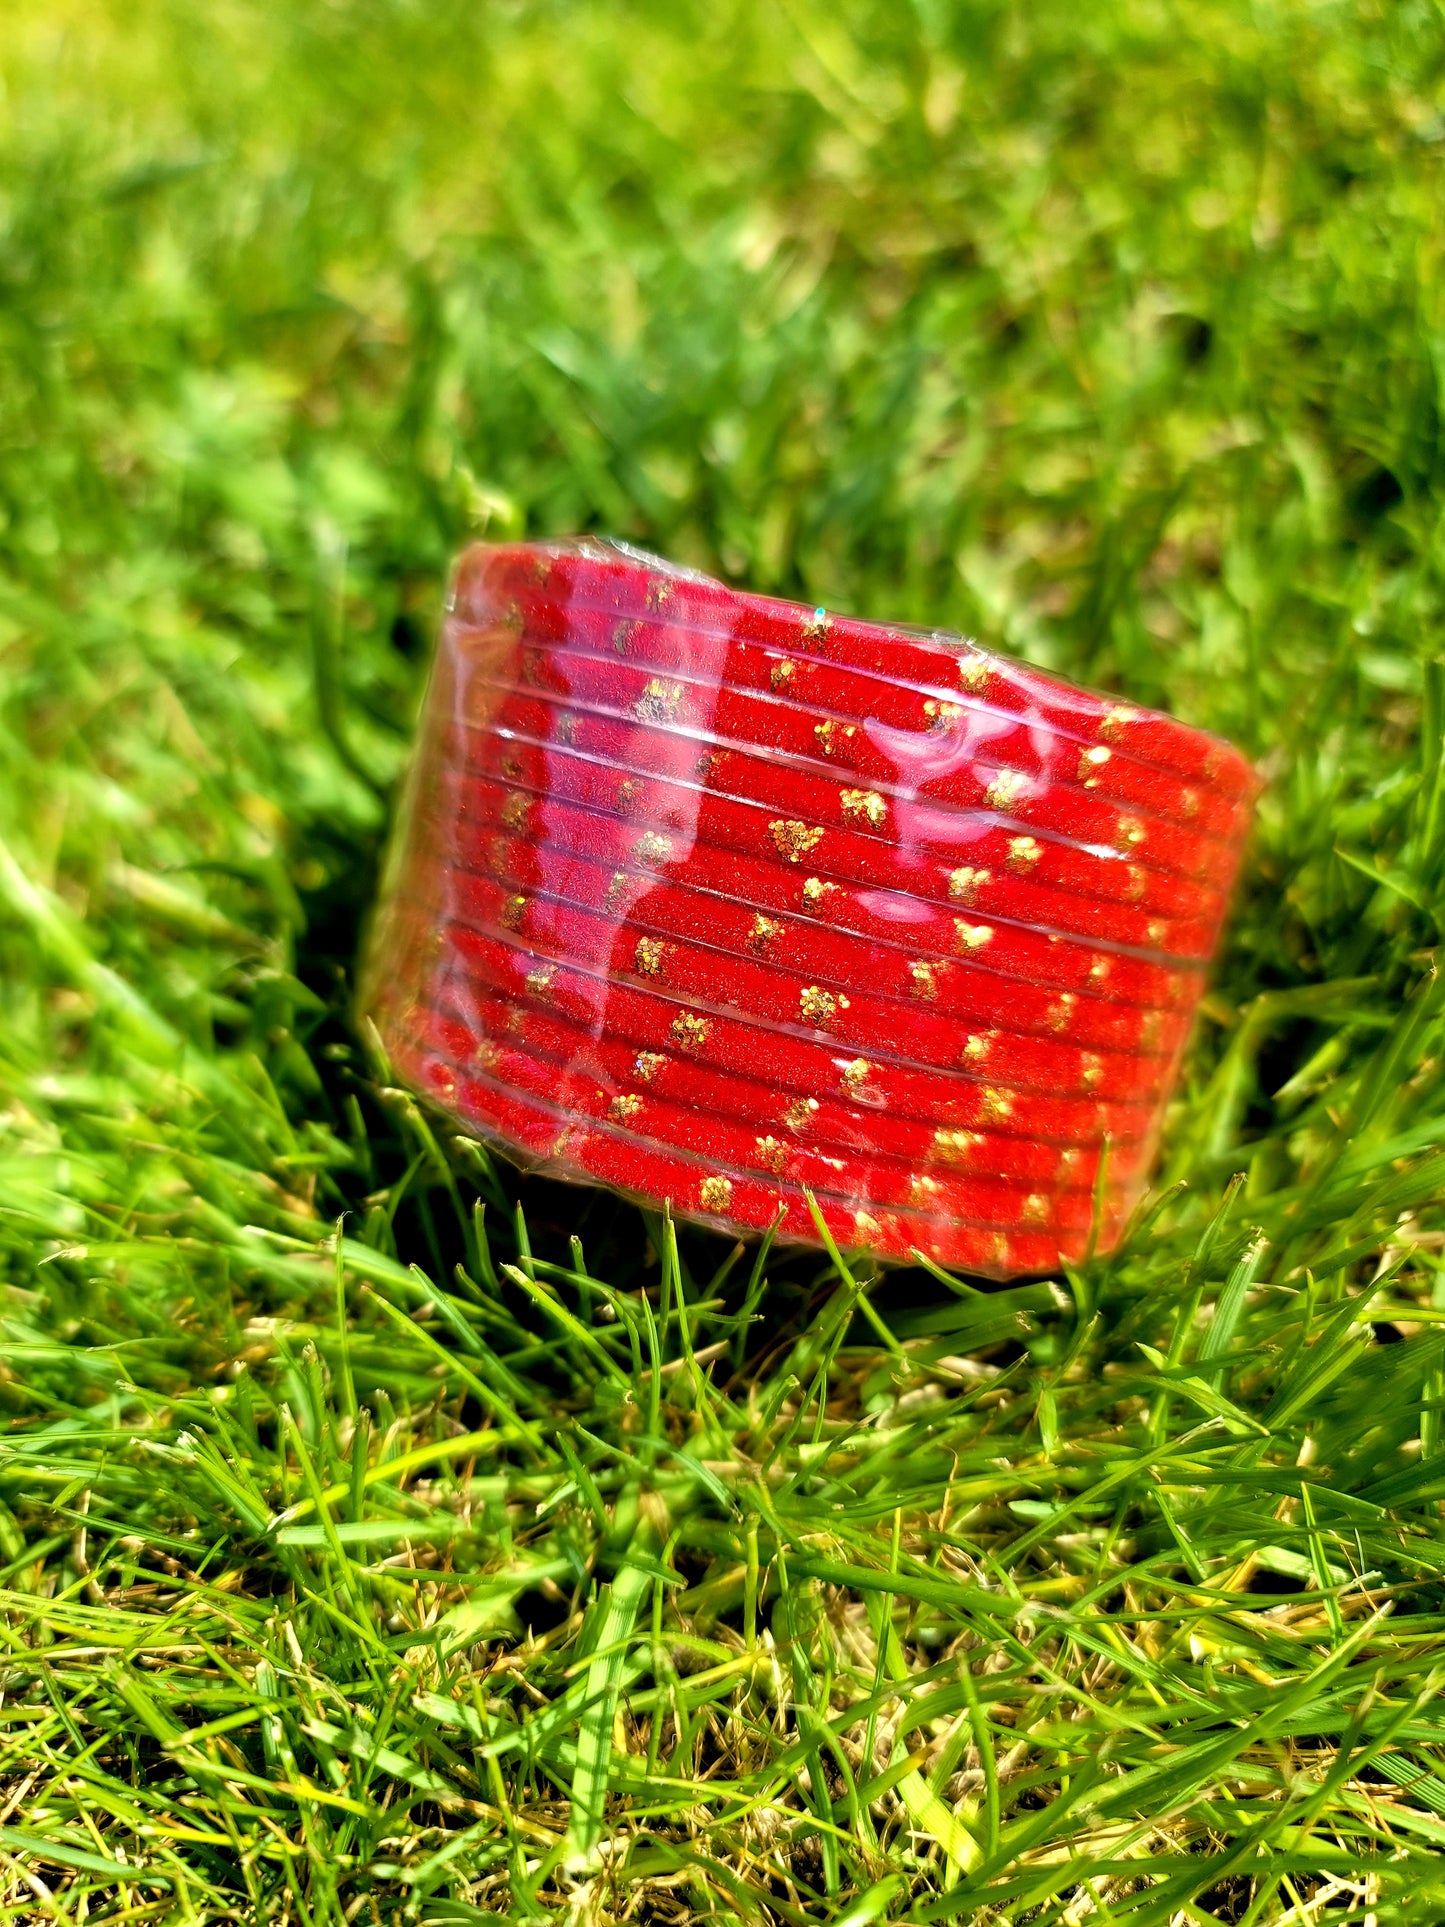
(760, 912)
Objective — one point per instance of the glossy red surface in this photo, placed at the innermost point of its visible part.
(931, 812)
(602, 863)
(613, 1064)
(947, 754)
(797, 1065)
(566, 584)
(954, 1002)
(1002, 865)
(576, 1087)
(720, 900)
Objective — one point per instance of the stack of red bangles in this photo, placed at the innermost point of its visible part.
(727, 902)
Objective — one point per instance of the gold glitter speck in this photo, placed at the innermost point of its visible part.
(976, 1047)
(715, 1194)
(773, 1154)
(1130, 832)
(622, 637)
(1156, 930)
(1099, 970)
(781, 674)
(819, 1007)
(567, 727)
(1138, 883)
(762, 933)
(816, 626)
(793, 839)
(799, 1112)
(1116, 719)
(854, 1076)
(1035, 1208)
(617, 890)
(925, 980)
(996, 1104)
(658, 593)
(1092, 1074)
(955, 1147)
(973, 672)
(1189, 803)
(629, 795)
(1151, 1029)
(689, 1031)
(864, 806)
(647, 1064)
(1006, 788)
(513, 911)
(815, 889)
(971, 936)
(922, 1191)
(965, 883)
(1062, 1011)
(828, 733)
(516, 810)
(866, 1228)
(647, 958)
(652, 848)
(1091, 761)
(1023, 853)
(624, 1107)
(658, 701)
(941, 716)
(539, 981)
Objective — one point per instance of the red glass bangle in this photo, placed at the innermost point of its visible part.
(808, 788)
(813, 709)
(992, 1203)
(855, 1021)
(492, 581)
(917, 815)
(451, 963)
(466, 1034)
(731, 904)
(928, 865)
(546, 1137)
(604, 864)
(489, 819)
(585, 912)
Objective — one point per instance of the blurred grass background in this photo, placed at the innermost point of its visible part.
(381, 1576)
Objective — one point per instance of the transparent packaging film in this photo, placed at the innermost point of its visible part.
(757, 911)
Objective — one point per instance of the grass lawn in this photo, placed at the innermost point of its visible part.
(384, 1539)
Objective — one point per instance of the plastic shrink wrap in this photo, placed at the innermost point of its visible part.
(724, 902)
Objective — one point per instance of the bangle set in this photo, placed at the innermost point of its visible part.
(760, 912)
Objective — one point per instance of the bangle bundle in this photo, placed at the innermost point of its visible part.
(760, 912)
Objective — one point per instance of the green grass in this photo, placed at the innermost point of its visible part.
(434, 1567)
